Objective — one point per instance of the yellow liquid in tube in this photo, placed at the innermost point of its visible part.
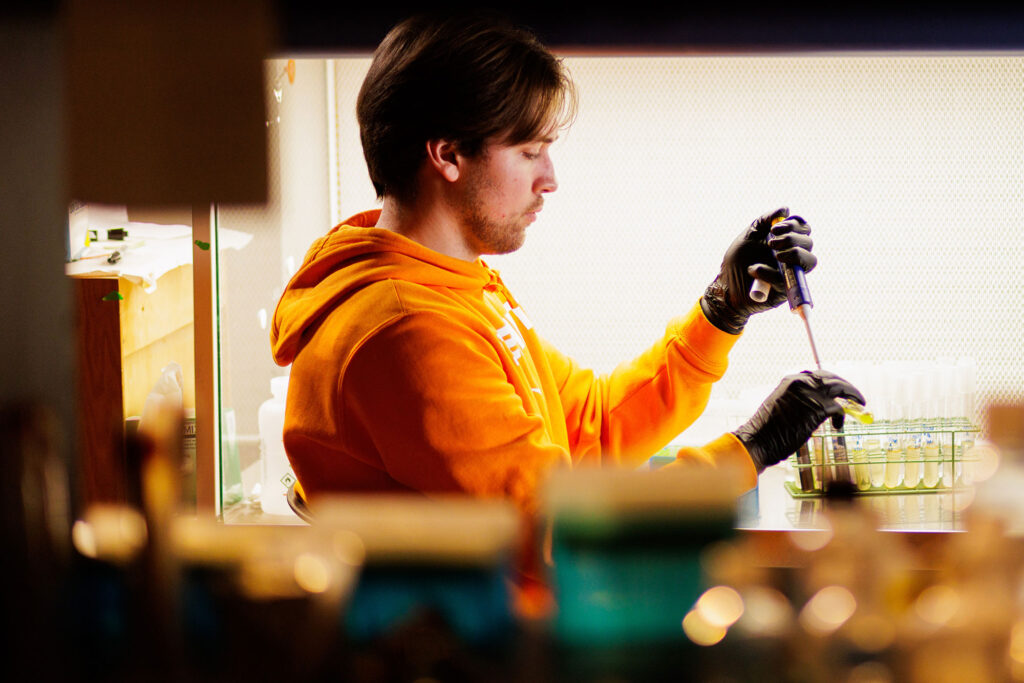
(861, 470)
(856, 410)
(912, 467)
(876, 463)
(893, 464)
(931, 463)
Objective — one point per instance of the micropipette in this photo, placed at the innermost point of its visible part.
(799, 297)
(796, 291)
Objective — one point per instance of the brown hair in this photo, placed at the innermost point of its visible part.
(469, 78)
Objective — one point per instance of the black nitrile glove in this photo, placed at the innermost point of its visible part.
(792, 412)
(756, 254)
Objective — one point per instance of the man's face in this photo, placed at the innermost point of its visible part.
(503, 192)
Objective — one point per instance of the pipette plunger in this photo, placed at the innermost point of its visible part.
(759, 288)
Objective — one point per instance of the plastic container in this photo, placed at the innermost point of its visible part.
(627, 548)
(275, 471)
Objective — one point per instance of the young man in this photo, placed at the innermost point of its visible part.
(413, 366)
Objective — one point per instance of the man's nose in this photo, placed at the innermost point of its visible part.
(547, 181)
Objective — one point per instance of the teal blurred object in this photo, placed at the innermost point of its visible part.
(633, 584)
(448, 559)
(473, 602)
(262, 603)
(627, 547)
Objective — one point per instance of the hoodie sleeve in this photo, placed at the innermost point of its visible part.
(433, 399)
(626, 416)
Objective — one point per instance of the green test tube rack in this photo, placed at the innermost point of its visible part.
(884, 458)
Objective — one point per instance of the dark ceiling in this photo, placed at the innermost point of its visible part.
(319, 26)
(313, 26)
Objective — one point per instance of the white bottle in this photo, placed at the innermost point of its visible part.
(275, 470)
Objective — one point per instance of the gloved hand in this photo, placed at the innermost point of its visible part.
(755, 254)
(792, 412)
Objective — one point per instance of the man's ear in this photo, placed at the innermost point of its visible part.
(443, 157)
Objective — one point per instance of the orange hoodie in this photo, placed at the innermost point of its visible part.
(416, 371)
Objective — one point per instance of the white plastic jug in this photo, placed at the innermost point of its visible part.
(276, 472)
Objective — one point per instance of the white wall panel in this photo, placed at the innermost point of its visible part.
(907, 166)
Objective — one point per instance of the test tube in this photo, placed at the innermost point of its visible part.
(893, 449)
(930, 449)
(803, 459)
(926, 448)
(855, 410)
(841, 458)
(821, 461)
(857, 374)
(910, 441)
(942, 380)
(873, 448)
(930, 446)
(876, 461)
(912, 462)
(861, 470)
(893, 463)
(967, 385)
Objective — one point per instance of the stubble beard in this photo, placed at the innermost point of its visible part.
(494, 237)
(489, 235)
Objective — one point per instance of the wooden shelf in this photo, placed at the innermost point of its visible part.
(121, 346)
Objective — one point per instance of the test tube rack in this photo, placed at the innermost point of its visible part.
(908, 456)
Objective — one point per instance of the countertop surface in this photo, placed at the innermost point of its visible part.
(772, 508)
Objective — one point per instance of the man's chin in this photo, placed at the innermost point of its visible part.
(508, 246)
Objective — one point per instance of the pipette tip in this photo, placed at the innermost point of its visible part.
(804, 311)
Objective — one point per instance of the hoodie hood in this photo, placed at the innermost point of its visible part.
(353, 255)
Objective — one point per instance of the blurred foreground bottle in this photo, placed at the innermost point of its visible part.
(626, 549)
(856, 584)
(962, 626)
(434, 597)
(124, 612)
(999, 496)
(34, 529)
(263, 603)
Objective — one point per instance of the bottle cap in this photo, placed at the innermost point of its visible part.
(279, 386)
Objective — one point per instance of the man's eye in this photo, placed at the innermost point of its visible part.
(530, 155)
